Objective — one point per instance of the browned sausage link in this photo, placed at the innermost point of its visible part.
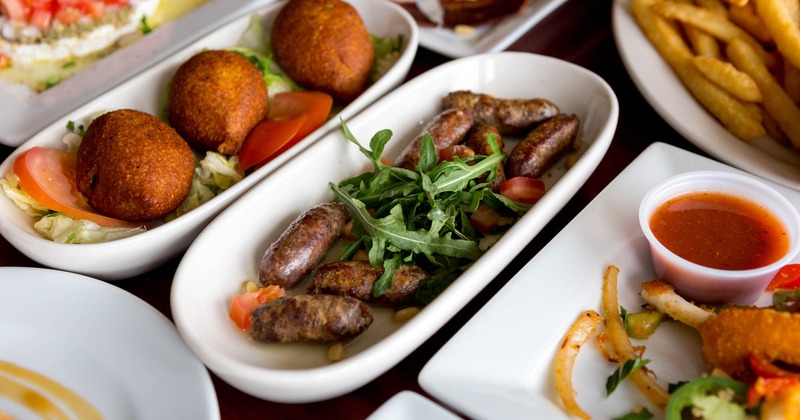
(302, 245)
(357, 278)
(448, 128)
(510, 116)
(309, 318)
(477, 139)
(543, 146)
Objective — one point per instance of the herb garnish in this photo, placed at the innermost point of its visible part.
(623, 372)
(420, 217)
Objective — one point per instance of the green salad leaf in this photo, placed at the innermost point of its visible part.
(420, 217)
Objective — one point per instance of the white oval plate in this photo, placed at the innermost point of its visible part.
(667, 95)
(101, 342)
(547, 295)
(230, 248)
(411, 406)
(134, 255)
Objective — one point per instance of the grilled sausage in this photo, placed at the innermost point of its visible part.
(448, 128)
(302, 245)
(510, 116)
(477, 140)
(357, 278)
(309, 318)
(543, 146)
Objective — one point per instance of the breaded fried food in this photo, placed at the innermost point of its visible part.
(323, 45)
(133, 166)
(215, 99)
(734, 333)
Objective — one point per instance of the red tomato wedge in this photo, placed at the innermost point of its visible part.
(48, 176)
(266, 139)
(243, 304)
(788, 277)
(523, 189)
(314, 105)
(269, 138)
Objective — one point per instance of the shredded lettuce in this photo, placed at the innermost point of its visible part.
(387, 52)
(14, 191)
(213, 174)
(59, 227)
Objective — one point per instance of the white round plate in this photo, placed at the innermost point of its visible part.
(101, 342)
(666, 94)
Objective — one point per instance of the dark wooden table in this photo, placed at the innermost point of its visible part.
(579, 32)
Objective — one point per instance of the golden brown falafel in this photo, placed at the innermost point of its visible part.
(133, 166)
(215, 99)
(323, 45)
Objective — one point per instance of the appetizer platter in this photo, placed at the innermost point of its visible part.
(143, 99)
(142, 369)
(28, 111)
(208, 285)
(523, 382)
(658, 83)
(493, 36)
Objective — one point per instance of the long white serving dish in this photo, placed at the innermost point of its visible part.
(510, 344)
(134, 255)
(228, 251)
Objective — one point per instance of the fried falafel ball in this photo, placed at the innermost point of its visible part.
(323, 45)
(133, 166)
(215, 99)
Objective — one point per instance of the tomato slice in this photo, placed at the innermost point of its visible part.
(243, 304)
(788, 277)
(314, 105)
(768, 387)
(14, 9)
(266, 139)
(763, 367)
(48, 176)
(523, 189)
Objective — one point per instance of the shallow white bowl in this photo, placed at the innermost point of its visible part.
(705, 284)
(134, 255)
(228, 251)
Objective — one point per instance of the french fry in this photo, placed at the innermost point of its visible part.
(580, 331)
(712, 23)
(738, 3)
(746, 17)
(726, 76)
(776, 101)
(791, 81)
(775, 131)
(702, 43)
(781, 21)
(715, 6)
(668, 42)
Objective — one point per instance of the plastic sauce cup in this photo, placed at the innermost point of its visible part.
(704, 284)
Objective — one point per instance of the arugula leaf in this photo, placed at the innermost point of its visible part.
(421, 216)
(623, 372)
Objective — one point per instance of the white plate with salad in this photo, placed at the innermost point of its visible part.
(227, 253)
(172, 27)
(82, 348)
(132, 255)
(515, 378)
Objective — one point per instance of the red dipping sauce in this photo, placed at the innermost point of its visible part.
(720, 231)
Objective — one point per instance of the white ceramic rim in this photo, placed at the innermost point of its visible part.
(779, 206)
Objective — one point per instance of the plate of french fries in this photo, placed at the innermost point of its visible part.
(725, 74)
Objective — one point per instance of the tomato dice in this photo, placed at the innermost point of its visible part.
(768, 387)
(486, 220)
(14, 9)
(788, 277)
(523, 189)
(292, 116)
(48, 176)
(460, 150)
(243, 304)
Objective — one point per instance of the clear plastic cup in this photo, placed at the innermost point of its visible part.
(704, 284)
